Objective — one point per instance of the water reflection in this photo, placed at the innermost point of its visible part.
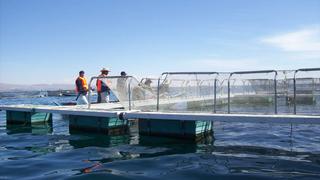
(133, 145)
(37, 128)
(173, 145)
(98, 140)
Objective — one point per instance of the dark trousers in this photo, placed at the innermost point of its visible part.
(99, 98)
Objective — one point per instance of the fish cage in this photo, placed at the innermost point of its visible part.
(306, 98)
(252, 92)
(187, 92)
(285, 91)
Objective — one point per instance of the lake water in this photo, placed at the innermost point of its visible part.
(237, 151)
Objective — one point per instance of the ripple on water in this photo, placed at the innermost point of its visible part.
(238, 151)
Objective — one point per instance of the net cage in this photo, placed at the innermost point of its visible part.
(252, 92)
(306, 96)
(187, 92)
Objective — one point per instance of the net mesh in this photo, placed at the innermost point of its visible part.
(253, 93)
(187, 93)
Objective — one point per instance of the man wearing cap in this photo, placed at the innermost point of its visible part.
(81, 89)
(102, 86)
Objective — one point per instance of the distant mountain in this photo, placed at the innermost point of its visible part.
(34, 87)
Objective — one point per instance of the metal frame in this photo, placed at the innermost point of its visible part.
(129, 95)
(191, 73)
(97, 77)
(215, 85)
(256, 72)
(294, 85)
(158, 94)
(215, 95)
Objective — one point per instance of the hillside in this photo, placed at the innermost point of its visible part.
(34, 87)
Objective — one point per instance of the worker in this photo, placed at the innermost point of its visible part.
(148, 93)
(147, 84)
(123, 74)
(122, 86)
(103, 86)
(81, 89)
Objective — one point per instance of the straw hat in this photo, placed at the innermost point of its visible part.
(104, 70)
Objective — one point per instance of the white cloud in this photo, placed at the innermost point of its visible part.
(305, 40)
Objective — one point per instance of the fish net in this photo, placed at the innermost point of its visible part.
(192, 92)
(266, 92)
(252, 93)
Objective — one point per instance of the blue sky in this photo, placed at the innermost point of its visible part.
(49, 41)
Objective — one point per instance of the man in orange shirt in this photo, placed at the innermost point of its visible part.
(81, 89)
(102, 86)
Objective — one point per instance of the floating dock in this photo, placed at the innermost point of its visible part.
(115, 121)
(182, 108)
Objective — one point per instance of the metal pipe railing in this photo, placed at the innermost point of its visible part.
(129, 95)
(97, 77)
(295, 85)
(215, 93)
(215, 96)
(158, 94)
(215, 86)
(89, 93)
(229, 93)
(275, 93)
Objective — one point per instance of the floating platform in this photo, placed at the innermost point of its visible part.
(80, 119)
(175, 128)
(111, 111)
(21, 117)
(104, 125)
(112, 119)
